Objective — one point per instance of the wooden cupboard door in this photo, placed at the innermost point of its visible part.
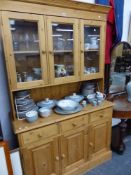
(92, 49)
(24, 43)
(99, 139)
(63, 50)
(42, 159)
(73, 150)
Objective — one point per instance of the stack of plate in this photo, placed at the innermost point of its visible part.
(67, 106)
(24, 103)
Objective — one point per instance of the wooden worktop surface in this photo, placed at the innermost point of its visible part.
(23, 126)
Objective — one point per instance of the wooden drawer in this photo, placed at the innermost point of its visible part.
(38, 134)
(73, 123)
(99, 115)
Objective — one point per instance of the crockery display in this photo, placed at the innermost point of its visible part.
(24, 103)
(65, 112)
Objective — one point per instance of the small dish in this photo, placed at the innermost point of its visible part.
(44, 112)
(67, 104)
(31, 116)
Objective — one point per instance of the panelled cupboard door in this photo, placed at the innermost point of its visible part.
(92, 49)
(74, 149)
(99, 138)
(24, 43)
(63, 51)
(42, 159)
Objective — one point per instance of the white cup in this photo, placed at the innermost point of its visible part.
(100, 96)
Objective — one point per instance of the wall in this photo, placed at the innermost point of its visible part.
(126, 17)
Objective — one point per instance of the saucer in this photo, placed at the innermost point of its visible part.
(60, 111)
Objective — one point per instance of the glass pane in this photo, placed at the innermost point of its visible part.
(63, 49)
(120, 67)
(26, 50)
(91, 49)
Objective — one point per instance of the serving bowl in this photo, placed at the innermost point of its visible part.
(75, 97)
(31, 116)
(67, 104)
(47, 103)
(44, 112)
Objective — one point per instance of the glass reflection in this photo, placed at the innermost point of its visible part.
(91, 49)
(120, 67)
(25, 43)
(63, 41)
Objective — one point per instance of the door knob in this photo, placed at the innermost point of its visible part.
(91, 144)
(63, 156)
(57, 158)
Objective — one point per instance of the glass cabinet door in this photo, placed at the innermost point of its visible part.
(63, 49)
(92, 37)
(27, 48)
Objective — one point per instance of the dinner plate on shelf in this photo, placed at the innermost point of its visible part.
(60, 111)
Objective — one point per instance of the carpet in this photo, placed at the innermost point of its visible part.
(118, 165)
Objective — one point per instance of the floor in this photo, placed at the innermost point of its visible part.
(119, 165)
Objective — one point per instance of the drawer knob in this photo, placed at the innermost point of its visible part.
(39, 135)
(43, 164)
(43, 52)
(74, 124)
(57, 158)
(91, 144)
(101, 116)
(63, 156)
(50, 52)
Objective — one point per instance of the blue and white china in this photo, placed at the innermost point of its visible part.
(45, 112)
(100, 96)
(65, 112)
(91, 97)
(47, 103)
(31, 116)
(67, 104)
(75, 97)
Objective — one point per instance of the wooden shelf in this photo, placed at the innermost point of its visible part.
(64, 51)
(27, 52)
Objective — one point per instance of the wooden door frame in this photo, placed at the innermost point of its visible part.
(102, 26)
(63, 20)
(9, 52)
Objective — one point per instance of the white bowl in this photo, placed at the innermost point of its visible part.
(31, 116)
(67, 104)
(44, 112)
